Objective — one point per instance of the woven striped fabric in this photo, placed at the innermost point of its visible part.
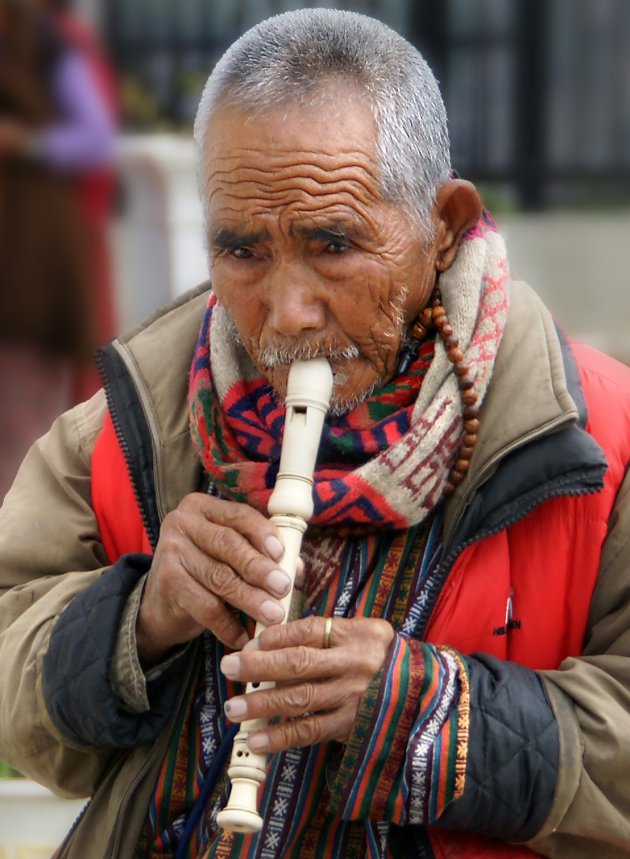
(405, 759)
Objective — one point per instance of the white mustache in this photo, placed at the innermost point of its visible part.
(274, 356)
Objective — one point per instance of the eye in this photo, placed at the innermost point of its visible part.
(336, 246)
(241, 253)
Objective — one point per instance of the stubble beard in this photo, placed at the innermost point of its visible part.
(283, 355)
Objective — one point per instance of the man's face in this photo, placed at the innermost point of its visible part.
(305, 256)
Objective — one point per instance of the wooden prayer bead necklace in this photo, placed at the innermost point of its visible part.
(434, 315)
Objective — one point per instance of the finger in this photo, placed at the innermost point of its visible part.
(292, 664)
(194, 603)
(287, 701)
(178, 562)
(296, 734)
(227, 546)
(222, 582)
(253, 525)
(217, 618)
(368, 634)
(307, 632)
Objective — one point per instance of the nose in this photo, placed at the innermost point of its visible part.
(294, 307)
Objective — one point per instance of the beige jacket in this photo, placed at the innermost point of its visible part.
(50, 550)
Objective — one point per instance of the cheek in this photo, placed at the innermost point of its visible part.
(369, 306)
(239, 297)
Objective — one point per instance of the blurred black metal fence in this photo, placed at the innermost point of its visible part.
(538, 91)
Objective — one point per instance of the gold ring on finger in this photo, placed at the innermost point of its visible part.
(327, 630)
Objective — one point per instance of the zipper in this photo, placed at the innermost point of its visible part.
(150, 526)
(59, 852)
(153, 537)
(159, 750)
(481, 476)
(445, 566)
(137, 779)
(141, 393)
(422, 840)
(152, 529)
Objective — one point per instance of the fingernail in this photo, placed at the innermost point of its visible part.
(278, 582)
(272, 612)
(258, 742)
(274, 548)
(252, 644)
(236, 708)
(230, 665)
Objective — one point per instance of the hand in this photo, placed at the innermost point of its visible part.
(13, 137)
(319, 691)
(211, 555)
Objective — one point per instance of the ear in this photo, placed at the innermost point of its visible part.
(457, 209)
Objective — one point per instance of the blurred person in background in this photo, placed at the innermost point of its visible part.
(57, 131)
(96, 186)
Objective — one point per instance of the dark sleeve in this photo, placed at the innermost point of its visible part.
(513, 752)
(76, 668)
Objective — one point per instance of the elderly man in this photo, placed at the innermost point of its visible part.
(471, 695)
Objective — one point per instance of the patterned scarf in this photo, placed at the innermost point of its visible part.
(383, 464)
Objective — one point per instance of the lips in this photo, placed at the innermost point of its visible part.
(279, 355)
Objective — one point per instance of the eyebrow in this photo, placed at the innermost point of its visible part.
(226, 239)
(337, 230)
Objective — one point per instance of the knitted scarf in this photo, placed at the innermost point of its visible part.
(383, 464)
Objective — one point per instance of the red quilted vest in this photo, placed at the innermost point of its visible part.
(560, 541)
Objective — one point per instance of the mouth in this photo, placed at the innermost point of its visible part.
(339, 360)
(346, 361)
(272, 357)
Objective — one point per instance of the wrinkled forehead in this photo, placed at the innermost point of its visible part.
(333, 123)
(290, 157)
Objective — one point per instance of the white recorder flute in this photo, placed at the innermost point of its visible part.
(309, 389)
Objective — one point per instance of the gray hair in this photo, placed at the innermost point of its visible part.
(286, 59)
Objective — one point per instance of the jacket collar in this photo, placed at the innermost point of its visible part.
(532, 395)
(149, 397)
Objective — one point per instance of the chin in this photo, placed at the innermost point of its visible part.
(353, 381)
(342, 405)
(349, 393)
